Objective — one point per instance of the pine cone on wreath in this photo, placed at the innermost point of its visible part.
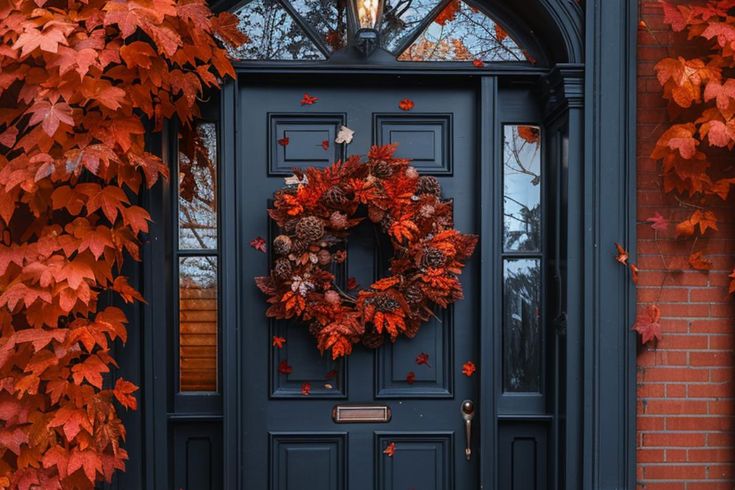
(428, 185)
(335, 196)
(310, 229)
(383, 170)
(298, 246)
(413, 294)
(282, 268)
(282, 245)
(372, 339)
(433, 257)
(385, 303)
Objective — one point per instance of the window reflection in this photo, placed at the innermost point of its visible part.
(401, 19)
(521, 325)
(463, 33)
(273, 33)
(198, 323)
(522, 188)
(328, 17)
(198, 187)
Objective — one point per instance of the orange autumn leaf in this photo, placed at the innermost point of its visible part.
(390, 449)
(469, 368)
(622, 254)
(530, 134)
(283, 141)
(699, 262)
(278, 341)
(634, 271)
(406, 104)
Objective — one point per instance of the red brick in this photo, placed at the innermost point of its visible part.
(675, 472)
(711, 455)
(673, 439)
(706, 423)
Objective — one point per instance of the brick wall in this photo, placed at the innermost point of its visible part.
(685, 384)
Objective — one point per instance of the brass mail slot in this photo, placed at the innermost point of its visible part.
(361, 414)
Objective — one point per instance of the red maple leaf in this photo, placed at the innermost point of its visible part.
(390, 449)
(648, 325)
(325, 145)
(423, 358)
(278, 341)
(308, 99)
(306, 389)
(410, 377)
(406, 104)
(352, 283)
(622, 254)
(469, 368)
(284, 367)
(477, 63)
(634, 270)
(658, 222)
(258, 243)
(124, 393)
(700, 262)
(283, 141)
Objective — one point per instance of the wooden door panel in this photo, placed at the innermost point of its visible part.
(289, 435)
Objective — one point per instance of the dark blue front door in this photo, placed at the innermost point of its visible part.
(292, 441)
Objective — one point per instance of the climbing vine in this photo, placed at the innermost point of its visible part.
(695, 150)
(81, 82)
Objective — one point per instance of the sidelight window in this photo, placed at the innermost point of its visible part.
(407, 30)
(197, 258)
(522, 260)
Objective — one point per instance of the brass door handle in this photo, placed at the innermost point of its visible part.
(468, 413)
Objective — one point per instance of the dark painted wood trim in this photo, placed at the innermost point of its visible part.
(489, 310)
(609, 207)
(231, 314)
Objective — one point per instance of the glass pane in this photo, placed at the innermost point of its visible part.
(273, 34)
(329, 18)
(522, 325)
(522, 188)
(401, 18)
(198, 323)
(463, 33)
(198, 187)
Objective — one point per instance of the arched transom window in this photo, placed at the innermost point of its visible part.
(409, 30)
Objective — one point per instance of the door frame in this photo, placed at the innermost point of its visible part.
(591, 102)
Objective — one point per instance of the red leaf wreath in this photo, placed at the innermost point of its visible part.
(317, 210)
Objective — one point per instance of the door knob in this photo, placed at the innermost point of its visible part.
(468, 413)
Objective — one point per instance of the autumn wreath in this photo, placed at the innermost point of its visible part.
(315, 212)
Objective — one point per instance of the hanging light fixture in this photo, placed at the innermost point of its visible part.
(366, 18)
